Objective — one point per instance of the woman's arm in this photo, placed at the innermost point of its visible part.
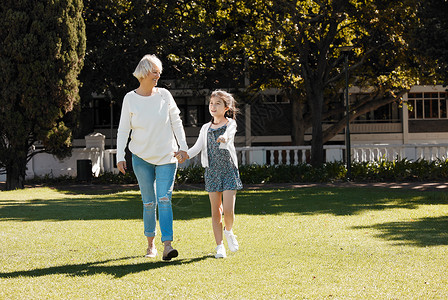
(176, 123)
(124, 128)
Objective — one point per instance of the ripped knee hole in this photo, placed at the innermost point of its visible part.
(164, 199)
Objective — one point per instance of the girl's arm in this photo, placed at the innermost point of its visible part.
(193, 151)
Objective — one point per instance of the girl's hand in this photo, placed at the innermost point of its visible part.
(121, 165)
(181, 156)
(221, 140)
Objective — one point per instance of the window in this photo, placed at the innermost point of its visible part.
(276, 98)
(427, 105)
(389, 113)
(193, 110)
(102, 114)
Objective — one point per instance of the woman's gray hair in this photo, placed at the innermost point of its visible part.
(146, 65)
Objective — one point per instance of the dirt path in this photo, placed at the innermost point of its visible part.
(112, 188)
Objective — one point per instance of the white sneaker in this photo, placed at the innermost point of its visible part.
(231, 240)
(220, 251)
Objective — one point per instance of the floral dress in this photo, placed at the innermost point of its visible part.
(221, 174)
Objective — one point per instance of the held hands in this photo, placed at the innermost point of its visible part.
(181, 156)
(121, 165)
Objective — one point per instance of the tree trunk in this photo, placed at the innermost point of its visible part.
(298, 122)
(317, 146)
(15, 173)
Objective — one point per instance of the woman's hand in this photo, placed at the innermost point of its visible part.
(181, 156)
(121, 165)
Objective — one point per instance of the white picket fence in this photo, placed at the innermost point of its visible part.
(293, 155)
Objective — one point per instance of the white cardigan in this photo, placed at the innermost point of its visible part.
(201, 143)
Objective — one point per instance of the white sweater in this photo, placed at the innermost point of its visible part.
(201, 143)
(155, 124)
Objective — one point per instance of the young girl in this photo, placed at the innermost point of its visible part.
(219, 159)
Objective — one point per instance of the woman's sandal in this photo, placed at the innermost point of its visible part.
(169, 253)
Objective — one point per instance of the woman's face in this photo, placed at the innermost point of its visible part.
(217, 107)
(154, 75)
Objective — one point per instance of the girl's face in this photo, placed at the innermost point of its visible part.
(217, 107)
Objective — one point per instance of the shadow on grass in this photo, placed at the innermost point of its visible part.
(91, 207)
(192, 205)
(95, 189)
(89, 269)
(334, 201)
(189, 205)
(421, 233)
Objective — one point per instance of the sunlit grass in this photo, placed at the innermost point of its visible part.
(309, 243)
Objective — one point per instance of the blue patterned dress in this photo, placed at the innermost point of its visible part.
(221, 174)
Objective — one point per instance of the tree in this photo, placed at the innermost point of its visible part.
(119, 33)
(430, 38)
(292, 45)
(116, 40)
(297, 46)
(43, 45)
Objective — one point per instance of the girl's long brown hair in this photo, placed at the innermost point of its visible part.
(229, 101)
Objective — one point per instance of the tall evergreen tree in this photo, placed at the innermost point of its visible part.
(43, 45)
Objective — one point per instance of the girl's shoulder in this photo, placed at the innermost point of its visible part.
(231, 121)
(206, 125)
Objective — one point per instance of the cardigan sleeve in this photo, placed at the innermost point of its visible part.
(193, 151)
(230, 132)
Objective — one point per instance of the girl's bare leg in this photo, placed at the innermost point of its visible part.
(217, 209)
(228, 200)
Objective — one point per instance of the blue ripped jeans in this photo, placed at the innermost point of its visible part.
(156, 186)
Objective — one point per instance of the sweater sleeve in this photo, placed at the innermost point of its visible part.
(176, 122)
(124, 128)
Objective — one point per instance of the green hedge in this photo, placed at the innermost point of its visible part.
(381, 171)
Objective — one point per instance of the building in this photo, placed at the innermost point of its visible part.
(267, 120)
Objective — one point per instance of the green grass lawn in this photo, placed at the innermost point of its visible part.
(308, 243)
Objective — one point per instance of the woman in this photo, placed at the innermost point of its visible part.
(157, 134)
